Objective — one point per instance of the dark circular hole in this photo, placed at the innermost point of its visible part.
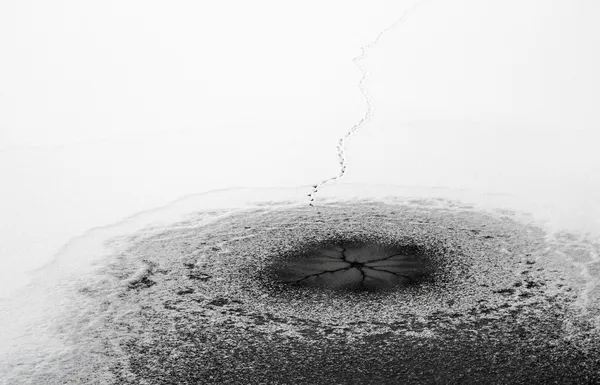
(353, 265)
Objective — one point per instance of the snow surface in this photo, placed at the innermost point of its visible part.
(492, 101)
(99, 123)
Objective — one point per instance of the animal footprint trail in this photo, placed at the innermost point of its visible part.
(343, 162)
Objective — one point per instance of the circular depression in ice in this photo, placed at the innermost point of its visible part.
(421, 285)
(353, 265)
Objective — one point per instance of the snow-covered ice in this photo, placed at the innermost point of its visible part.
(115, 129)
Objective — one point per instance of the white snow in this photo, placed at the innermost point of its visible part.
(111, 109)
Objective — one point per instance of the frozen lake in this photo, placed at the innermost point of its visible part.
(185, 109)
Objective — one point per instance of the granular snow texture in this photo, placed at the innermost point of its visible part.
(495, 302)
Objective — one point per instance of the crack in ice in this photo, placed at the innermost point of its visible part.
(390, 272)
(323, 272)
(362, 265)
(341, 152)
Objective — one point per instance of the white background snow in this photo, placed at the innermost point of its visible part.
(109, 108)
